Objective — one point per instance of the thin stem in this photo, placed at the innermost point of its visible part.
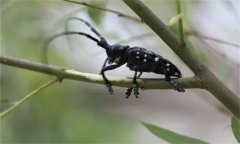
(25, 98)
(216, 52)
(180, 23)
(197, 34)
(191, 82)
(120, 14)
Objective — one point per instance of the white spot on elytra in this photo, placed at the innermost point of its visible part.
(167, 64)
(145, 55)
(168, 69)
(138, 53)
(137, 57)
(176, 73)
(145, 60)
(156, 58)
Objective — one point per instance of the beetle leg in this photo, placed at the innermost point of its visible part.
(134, 87)
(174, 83)
(139, 75)
(104, 65)
(129, 91)
(107, 83)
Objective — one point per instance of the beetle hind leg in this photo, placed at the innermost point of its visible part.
(174, 84)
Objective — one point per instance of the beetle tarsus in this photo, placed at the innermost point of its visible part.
(109, 87)
(135, 89)
(176, 86)
(128, 93)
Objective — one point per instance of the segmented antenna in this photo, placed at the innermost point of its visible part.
(45, 47)
(88, 24)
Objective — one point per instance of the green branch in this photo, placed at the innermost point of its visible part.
(61, 73)
(209, 81)
(199, 35)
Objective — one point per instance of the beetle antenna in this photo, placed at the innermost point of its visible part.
(102, 43)
(88, 24)
(45, 47)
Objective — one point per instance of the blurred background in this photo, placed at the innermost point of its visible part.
(79, 112)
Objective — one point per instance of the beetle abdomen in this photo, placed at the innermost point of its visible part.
(142, 60)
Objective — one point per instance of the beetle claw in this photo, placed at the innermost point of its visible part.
(128, 93)
(109, 87)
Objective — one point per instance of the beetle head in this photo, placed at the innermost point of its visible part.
(116, 52)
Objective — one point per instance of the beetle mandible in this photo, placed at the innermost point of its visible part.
(138, 59)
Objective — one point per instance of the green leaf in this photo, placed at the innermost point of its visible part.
(171, 137)
(175, 19)
(95, 14)
(236, 128)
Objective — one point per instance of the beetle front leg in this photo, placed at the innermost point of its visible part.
(107, 83)
(104, 65)
(139, 75)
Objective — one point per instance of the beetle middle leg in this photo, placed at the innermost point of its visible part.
(134, 87)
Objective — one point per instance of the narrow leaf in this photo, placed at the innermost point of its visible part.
(25, 98)
(236, 128)
(171, 137)
(4, 104)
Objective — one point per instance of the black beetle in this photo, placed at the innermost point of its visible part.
(138, 60)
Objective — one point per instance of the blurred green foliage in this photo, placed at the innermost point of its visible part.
(96, 15)
(70, 112)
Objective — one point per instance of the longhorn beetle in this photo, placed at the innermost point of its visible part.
(138, 59)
